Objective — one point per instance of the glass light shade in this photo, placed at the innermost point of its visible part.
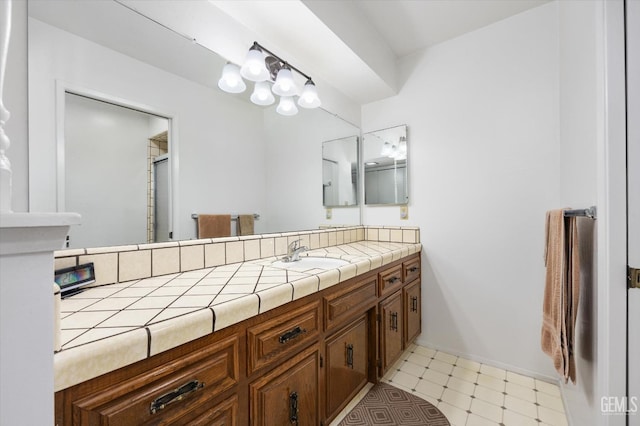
(284, 85)
(386, 149)
(262, 94)
(309, 96)
(395, 153)
(231, 81)
(287, 106)
(254, 68)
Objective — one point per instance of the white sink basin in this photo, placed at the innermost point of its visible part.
(310, 262)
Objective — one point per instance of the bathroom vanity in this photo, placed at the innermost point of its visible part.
(298, 363)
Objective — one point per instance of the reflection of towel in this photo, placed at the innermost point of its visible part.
(214, 225)
(561, 292)
(245, 224)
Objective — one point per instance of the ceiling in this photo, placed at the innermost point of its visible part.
(350, 47)
(355, 45)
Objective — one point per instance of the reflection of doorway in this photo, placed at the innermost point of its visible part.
(158, 149)
(160, 199)
(107, 170)
(330, 183)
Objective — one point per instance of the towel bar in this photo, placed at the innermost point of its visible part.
(590, 212)
(233, 216)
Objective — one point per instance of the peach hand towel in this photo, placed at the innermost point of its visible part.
(245, 224)
(214, 225)
(561, 293)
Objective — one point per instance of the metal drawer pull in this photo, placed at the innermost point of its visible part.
(175, 395)
(394, 321)
(393, 280)
(293, 407)
(412, 269)
(414, 304)
(350, 355)
(291, 334)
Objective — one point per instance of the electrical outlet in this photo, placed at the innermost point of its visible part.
(404, 212)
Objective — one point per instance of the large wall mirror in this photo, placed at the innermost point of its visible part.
(385, 166)
(224, 155)
(340, 172)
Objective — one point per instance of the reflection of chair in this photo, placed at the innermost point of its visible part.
(214, 225)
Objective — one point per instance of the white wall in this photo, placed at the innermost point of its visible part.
(484, 166)
(218, 139)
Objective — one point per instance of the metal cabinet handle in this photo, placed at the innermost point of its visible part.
(393, 280)
(292, 334)
(350, 355)
(293, 407)
(414, 304)
(394, 321)
(412, 269)
(175, 395)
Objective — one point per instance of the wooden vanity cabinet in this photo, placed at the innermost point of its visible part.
(297, 364)
(400, 313)
(289, 394)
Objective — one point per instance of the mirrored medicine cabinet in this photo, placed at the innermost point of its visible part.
(385, 158)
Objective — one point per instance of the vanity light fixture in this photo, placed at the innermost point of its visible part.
(264, 67)
(231, 81)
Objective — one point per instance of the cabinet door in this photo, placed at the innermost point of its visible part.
(391, 334)
(347, 355)
(281, 336)
(288, 395)
(412, 312)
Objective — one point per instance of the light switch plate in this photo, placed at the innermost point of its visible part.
(404, 212)
(329, 213)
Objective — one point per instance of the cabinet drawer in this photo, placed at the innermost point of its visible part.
(166, 393)
(279, 337)
(349, 302)
(411, 270)
(390, 280)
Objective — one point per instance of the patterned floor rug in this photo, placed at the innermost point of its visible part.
(388, 405)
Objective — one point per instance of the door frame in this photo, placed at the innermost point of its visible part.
(612, 213)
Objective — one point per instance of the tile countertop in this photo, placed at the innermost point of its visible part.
(108, 327)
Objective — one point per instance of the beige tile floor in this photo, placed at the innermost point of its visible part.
(473, 394)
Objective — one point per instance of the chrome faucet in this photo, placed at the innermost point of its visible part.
(293, 251)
